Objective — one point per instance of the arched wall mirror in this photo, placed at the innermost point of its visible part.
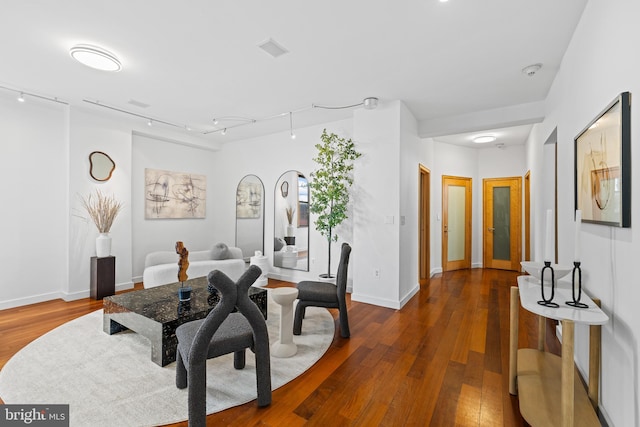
(250, 216)
(101, 166)
(291, 222)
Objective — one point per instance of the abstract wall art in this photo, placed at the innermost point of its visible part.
(174, 194)
(603, 166)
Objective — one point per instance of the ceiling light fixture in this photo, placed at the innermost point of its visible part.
(484, 139)
(224, 131)
(95, 57)
(21, 97)
(149, 123)
(532, 69)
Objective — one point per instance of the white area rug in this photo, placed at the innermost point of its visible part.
(110, 380)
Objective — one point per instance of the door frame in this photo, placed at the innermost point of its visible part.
(515, 209)
(468, 184)
(424, 224)
(527, 216)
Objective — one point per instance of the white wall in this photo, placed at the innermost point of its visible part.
(149, 235)
(34, 168)
(598, 65)
(412, 154)
(376, 198)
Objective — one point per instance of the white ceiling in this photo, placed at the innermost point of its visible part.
(196, 60)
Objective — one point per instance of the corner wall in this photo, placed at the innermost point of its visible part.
(599, 64)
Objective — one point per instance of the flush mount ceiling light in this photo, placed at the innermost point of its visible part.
(531, 70)
(95, 57)
(482, 139)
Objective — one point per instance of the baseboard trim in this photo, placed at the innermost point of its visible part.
(34, 299)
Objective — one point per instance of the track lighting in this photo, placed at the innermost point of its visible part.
(369, 103)
(22, 93)
(224, 131)
(149, 123)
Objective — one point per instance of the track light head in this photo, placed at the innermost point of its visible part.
(21, 97)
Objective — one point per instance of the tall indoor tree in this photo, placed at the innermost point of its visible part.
(330, 184)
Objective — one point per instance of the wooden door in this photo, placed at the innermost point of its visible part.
(502, 223)
(423, 215)
(456, 223)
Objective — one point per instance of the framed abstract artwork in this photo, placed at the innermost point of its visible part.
(174, 194)
(603, 166)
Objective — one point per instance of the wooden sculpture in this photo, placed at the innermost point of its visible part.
(183, 262)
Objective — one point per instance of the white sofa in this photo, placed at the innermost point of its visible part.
(161, 267)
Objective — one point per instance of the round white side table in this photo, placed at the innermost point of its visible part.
(284, 297)
(262, 262)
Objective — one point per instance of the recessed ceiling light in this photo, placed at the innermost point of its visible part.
(95, 57)
(484, 139)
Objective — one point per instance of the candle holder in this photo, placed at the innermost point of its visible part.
(576, 301)
(547, 302)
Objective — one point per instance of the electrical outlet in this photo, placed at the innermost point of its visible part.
(376, 273)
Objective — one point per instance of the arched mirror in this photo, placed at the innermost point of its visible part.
(101, 166)
(291, 222)
(250, 216)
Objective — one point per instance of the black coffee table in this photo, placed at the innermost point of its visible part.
(156, 313)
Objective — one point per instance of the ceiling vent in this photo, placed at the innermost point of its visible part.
(273, 48)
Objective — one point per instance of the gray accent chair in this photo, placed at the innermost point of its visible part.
(223, 331)
(324, 294)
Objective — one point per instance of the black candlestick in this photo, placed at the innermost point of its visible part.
(548, 302)
(576, 301)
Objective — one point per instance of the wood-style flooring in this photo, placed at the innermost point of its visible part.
(442, 360)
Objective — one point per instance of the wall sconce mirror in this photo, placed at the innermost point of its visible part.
(101, 166)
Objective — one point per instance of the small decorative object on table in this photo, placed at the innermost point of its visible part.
(548, 255)
(184, 293)
(576, 269)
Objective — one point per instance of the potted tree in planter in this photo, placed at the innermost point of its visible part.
(330, 185)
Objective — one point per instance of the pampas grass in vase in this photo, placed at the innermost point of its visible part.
(103, 210)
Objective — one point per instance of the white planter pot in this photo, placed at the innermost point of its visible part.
(103, 245)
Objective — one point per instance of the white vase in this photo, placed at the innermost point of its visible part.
(103, 245)
(290, 230)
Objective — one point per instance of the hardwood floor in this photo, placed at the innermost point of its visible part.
(441, 361)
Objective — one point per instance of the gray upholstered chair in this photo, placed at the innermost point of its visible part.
(324, 294)
(222, 332)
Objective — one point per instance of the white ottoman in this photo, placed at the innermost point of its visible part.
(285, 346)
(262, 262)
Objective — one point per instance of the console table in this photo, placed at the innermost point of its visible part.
(549, 388)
